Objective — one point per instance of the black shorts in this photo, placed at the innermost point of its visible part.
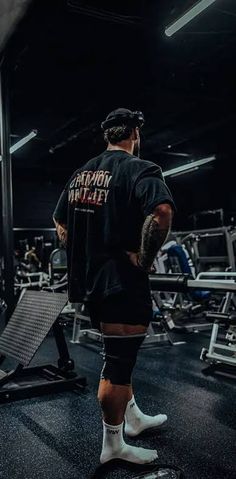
(120, 308)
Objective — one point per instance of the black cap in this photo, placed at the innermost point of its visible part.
(123, 116)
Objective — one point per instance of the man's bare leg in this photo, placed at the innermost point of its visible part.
(114, 398)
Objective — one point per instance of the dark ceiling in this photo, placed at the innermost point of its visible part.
(74, 61)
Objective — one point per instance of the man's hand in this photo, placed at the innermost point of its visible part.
(62, 232)
(134, 259)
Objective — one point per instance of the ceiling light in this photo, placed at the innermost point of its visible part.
(187, 17)
(188, 167)
(22, 142)
(184, 172)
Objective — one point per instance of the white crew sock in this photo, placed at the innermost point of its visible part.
(114, 447)
(136, 421)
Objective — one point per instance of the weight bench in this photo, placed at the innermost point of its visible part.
(34, 316)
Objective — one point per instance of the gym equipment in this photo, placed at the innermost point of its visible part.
(3, 308)
(34, 316)
(28, 273)
(80, 335)
(185, 284)
(192, 303)
(220, 354)
(161, 472)
(180, 264)
(68, 312)
(208, 219)
(158, 330)
(39, 246)
(228, 353)
(57, 267)
(23, 247)
(213, 247)
(44, 240)
(30, 280)
(182, 283)
(190, 252)
(229, 300)
(32, 258)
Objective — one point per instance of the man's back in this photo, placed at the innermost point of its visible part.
(105, 218)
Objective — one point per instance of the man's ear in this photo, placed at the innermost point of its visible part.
(135, 134)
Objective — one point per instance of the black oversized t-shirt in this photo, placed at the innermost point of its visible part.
(104, 206)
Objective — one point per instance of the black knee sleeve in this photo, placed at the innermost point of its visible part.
(120, 358)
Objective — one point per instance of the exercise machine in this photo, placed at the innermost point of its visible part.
(185, 306)
(35, 315)
(221, 353)
(177, 283)
(210, 248)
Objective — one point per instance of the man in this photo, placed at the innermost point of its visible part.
(115, 213)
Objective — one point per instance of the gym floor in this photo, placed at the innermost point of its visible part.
(60, 436)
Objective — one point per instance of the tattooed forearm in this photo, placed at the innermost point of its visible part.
(153, 237)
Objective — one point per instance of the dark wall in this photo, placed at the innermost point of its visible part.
(34, 200)
(211, 187)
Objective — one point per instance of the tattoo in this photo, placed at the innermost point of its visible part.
(152, 239)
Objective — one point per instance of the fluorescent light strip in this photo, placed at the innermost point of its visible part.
(187, 17)
(185, 172)
(189, 166)
(22, 142)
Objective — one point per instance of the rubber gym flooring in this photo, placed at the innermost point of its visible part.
(59, 436)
